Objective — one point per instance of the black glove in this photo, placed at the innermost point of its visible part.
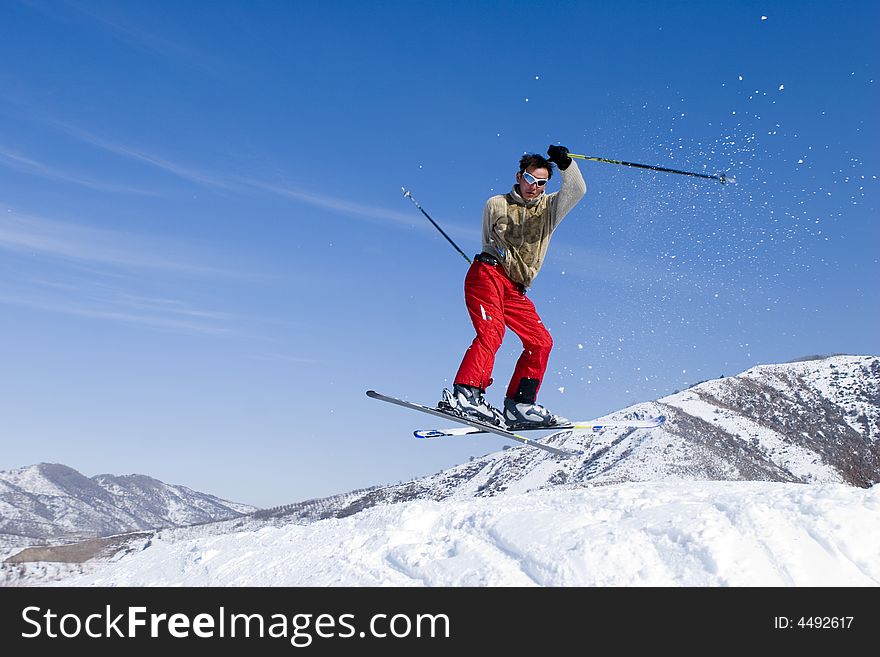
(559, 156)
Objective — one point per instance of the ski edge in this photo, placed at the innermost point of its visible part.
(483, 428)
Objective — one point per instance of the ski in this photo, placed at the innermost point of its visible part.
(480, 427)
(593, 425)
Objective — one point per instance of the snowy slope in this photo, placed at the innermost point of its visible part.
(697, 533)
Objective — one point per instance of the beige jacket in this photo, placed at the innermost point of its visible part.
(518, 232)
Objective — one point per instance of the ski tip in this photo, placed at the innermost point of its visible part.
(428, 433)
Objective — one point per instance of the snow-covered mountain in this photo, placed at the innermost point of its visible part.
(811, 422)
(52, 503)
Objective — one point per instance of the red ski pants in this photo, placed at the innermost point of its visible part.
(495, 302)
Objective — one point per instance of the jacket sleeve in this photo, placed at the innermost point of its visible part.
(491, 243)
(572, 190)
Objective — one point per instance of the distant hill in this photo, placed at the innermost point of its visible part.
(54, 503)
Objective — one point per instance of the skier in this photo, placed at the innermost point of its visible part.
(517, 227)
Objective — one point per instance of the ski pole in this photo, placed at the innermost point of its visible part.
(720, 177)
(408, 194)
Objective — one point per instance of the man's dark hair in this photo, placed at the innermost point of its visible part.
(536, 161)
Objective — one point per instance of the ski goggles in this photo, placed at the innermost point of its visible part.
(529, 178)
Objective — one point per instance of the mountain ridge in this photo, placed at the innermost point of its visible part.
(52, 502)
(809, 421)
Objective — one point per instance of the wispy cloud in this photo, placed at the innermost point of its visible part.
(174, 321)
(112, 295)
(98, 246)
(240, 183)
(201, 177)
(329, 202)
(19, 162)
(282, 358)
(110, 275)
(96, 273)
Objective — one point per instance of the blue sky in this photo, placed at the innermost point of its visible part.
(206, 256)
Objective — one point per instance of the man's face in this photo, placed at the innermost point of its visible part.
(532, 190)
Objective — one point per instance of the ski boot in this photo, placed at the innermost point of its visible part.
(523, 415)
(469, 402)
(524, 412)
